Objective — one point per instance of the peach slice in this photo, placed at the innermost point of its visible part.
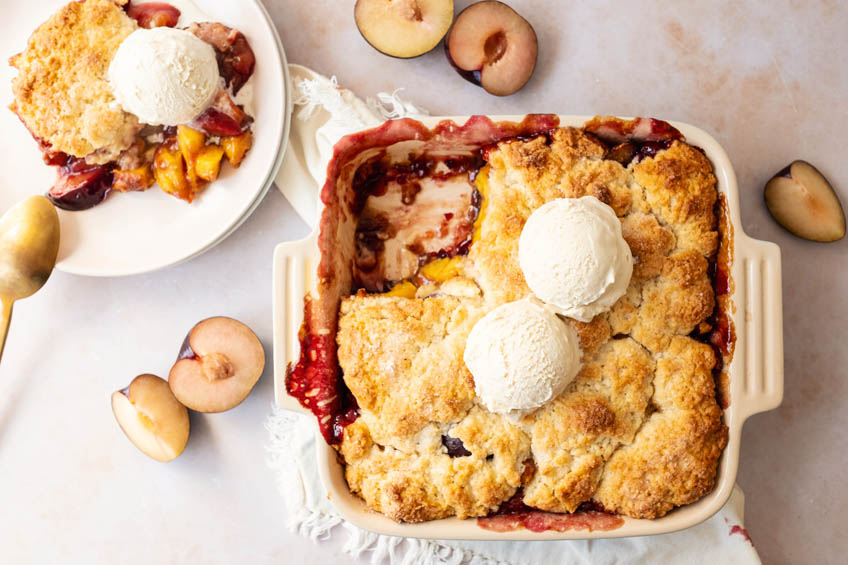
(219, 363)
(440, 270)
(403, 289)
(801, 200)
(492, 46)
(169, 171)
(191, 142)
(208, 162)
(403, 28)
(151, 417)
(236, 146)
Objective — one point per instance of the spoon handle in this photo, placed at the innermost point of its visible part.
(4, 323)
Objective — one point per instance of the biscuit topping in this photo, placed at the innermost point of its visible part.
(62, 93)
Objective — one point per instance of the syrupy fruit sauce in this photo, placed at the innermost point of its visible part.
(515, 515)
(717, 330)
(629, 141)
(374, 175)
(455, 447)
(153, 14)
(79, 185)
(317, 384)
(373, 178)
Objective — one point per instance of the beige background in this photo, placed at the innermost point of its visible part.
(768, 79)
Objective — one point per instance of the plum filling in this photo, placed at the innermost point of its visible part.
(455, 447)
(224, 118)
(236, 59)
(410, 213)
(80, 186)
(317, 384)
(153, 14)
(515, 515)
(637, 139)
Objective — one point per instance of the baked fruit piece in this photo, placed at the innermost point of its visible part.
(638, 431)
(61, 91)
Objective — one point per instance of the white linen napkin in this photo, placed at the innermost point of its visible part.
(324, 112)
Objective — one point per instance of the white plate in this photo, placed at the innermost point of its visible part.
(144, 231)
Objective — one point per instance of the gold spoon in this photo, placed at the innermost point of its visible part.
(29, 243)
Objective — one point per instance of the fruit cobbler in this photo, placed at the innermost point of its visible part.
(118, 98)
(520, 314)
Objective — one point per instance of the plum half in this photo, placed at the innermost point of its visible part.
(151, 417)
(219, 363)
(801, 200)
(403, 28)
(492, 46)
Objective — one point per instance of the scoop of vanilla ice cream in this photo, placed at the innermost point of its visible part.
(574, 257)
(521, 355)
(164, 76)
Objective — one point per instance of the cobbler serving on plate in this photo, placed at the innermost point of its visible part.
(520, 315)
(118, 98)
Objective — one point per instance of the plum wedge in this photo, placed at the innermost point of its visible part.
(219, 363)
(151, 417)
(492, 46)
(801, 200)
(403, 28)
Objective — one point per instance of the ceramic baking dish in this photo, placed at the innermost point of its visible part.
(756, 371)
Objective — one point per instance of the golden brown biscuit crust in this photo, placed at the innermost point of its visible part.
(638, 430)
(62, 93)
(402, 360)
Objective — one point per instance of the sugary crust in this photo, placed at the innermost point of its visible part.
(674, 456)
(522, 176)
(423, 482)
(639, 430)
(679, 189)
(62, 93)
(402, 359)
(649, 242)
(573, 436)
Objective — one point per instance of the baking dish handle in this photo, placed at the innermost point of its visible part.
(760, 326)
(295, 263)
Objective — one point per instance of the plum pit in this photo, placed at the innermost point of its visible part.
(492, 46)
(219, 363)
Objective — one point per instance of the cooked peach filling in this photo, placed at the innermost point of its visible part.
(186, 163)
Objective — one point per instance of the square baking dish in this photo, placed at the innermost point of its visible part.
(755, 372)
